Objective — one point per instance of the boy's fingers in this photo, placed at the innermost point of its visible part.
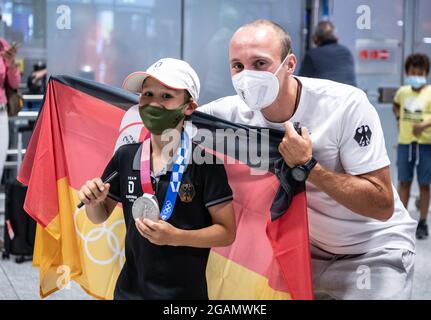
(141, 225)
(99, 184)
(88, 193)
(146, 232)
(94, 189)
(139, 230)
(106, 188)
(83, 198)
(150, 224)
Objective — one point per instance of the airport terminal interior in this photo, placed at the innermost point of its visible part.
(105, 40)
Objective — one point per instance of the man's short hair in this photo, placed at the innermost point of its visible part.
(418, 60)
(324, 33)
(284, 37)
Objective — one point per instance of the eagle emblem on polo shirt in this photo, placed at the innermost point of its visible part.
(187, 192)
(363, 136)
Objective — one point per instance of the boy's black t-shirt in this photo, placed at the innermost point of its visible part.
(165, 272)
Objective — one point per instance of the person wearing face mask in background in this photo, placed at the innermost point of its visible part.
(166, 253)
(412, 108)
(356, 218)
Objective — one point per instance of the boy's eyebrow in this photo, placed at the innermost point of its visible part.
(166, 89)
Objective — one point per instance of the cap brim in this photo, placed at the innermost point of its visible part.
(135, 80)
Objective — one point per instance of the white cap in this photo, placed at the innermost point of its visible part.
(173, 73)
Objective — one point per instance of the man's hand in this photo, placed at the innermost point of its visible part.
(161, 232)
(295, 149)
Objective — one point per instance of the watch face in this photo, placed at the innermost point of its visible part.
(299, 174)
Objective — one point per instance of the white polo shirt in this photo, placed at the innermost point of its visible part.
(347, 137)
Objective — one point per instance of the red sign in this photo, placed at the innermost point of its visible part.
(374, 54)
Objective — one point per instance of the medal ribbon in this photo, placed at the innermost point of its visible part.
(180, 163)
(147, 187)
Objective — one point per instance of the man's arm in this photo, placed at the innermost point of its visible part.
(221, 233)
(368, 194)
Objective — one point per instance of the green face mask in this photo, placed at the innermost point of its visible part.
(158, 119)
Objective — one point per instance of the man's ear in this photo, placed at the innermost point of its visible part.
(291, 63)
(190, 108)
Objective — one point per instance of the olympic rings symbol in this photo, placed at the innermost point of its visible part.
(96, 234)
(168, 207)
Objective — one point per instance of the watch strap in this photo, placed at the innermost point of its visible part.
(310, 164)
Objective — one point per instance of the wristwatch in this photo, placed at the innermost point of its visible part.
(300, 173)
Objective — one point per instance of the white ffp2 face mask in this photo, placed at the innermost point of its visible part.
(258, 89)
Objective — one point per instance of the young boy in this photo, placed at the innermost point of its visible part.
(166, 257)
(412, 108)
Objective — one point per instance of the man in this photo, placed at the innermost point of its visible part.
(362, 238)
(329, 60)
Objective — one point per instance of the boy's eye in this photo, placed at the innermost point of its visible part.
(167, 96)
(147, 94)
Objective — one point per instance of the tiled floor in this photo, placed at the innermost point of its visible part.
(21, 281)
(422, 275)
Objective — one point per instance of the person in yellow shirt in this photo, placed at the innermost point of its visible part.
(412, 108)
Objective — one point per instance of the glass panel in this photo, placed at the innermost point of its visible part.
(423, 28)
(24, 22)
(378, 54)
(209, 26)
(377, 50)
(106, 39)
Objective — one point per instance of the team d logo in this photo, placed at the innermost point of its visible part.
(186, 192)
(363, 136)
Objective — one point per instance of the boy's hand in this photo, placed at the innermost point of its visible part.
(93, 192)
(161, 232)
(418, 129)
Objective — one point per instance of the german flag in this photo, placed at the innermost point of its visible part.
(79, 127)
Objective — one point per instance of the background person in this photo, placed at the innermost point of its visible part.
(412, 108)
(329, 60)
(9, 75)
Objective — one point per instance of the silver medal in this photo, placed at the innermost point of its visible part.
(146, 207)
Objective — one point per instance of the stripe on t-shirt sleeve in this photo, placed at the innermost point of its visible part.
(218, 201)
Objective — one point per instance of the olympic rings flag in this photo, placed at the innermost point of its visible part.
(74, 138)
(79, 127)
